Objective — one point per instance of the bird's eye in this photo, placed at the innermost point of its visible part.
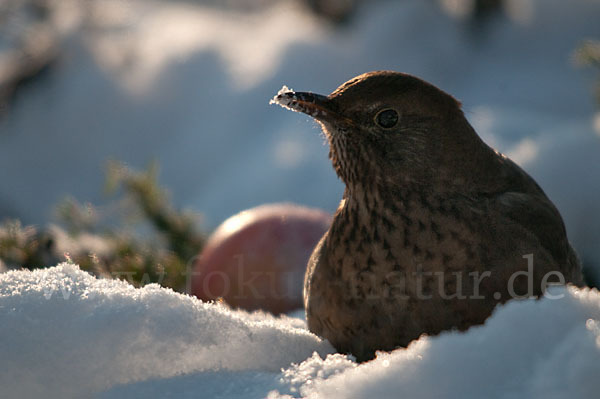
(386, 118)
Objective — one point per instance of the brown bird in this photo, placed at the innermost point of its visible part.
(434, 229)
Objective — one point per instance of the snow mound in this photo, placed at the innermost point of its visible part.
(548, 348)
(66, 333)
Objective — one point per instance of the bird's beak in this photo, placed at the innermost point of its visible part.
(316, 105)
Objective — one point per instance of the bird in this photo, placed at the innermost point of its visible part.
(434, 229)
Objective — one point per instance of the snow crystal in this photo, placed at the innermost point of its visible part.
(285, 97)
(288, 99)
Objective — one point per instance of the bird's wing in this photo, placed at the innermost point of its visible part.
(536, 214)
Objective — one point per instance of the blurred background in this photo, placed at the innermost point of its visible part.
(129, 129)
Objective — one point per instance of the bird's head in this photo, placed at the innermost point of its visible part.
(391, 128)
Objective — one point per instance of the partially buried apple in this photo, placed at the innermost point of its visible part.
(257, 258)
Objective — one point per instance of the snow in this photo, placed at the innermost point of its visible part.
(284, 97)
(289, 99)
(528, 349)
(65, 333)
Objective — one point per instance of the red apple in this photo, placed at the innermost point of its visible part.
(257, 258)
